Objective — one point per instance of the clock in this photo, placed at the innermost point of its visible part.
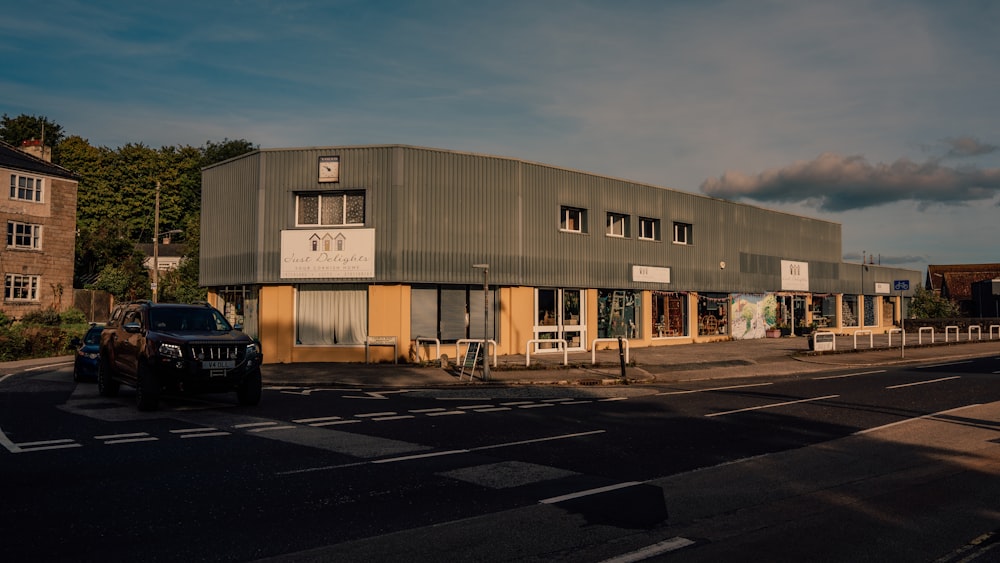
(329, 169)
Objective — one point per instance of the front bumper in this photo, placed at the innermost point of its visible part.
(199, 376)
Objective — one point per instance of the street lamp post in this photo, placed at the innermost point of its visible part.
(486, 318)
(154, 286)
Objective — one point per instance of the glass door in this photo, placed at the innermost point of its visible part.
(559, 314)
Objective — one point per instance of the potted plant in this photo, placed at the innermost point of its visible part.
(772, 332)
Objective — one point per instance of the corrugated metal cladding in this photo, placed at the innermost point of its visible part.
(437, 212)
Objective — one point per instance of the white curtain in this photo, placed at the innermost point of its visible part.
(332, 314)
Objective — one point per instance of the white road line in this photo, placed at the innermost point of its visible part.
(493, 409)
(849, 375)
(589, 492)
(319, 419)
(374, 414)
(715, 389)
(665, 546)
(2, 379)
(445, 413)
(898, 422)
(419, 456)
(44, 443)
(131, 440)
(54, 447)
(424, 411)
(272, 428)
(471, 407)
(577, 402)
(516, 403)
(537, 440)
(772, 405)
(206, 434)
(49, 366)
(561, 400)
(536, 405)
(120, 436)
(255, 424)
(397, 417)
(335, 422)
(193, 430)
(924, 382)
(614, 399)
(944, 365)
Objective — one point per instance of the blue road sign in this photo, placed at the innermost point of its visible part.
(901, 285)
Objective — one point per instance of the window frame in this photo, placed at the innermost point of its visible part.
(565, 213)
(622, 220)
(34, 236)
(19, 188)
(654, 225)
(21, 284)
(683, 233)
(344, 195)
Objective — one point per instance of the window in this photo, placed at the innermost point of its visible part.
(618, 225)
(649, 229)
(849, 305)
(670, 315)
(617, 313)
(713, 318)
(330, 209)
(25, 188)
(871, 312)
(21, 288)
(682, 233)
(451, 312)
(572, 219)
(328, 314)
(24, 235)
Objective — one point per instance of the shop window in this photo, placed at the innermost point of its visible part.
(713, 314)
(850, 307)
(25, 188)
(331, 209)
(617, 313)
(21, 288)
(670, 314)
(682, 233)
(649, 229)
(618, 225)
(824, 311)
(572, 219)
(871, 312)
(451, 313)
(328, 314)
(24, 235)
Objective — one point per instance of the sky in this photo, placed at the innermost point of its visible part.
(883, 116)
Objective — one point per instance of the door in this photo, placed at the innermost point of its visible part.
(560, 314)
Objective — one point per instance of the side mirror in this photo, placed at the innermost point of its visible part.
(238, 327)
(132, 327)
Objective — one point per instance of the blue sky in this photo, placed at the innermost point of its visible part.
(882, 116)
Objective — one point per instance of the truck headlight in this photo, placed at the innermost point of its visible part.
(170, 350)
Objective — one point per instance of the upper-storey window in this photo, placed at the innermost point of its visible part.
(618, 225)
(25, 188)
(649, 229)
(330, 209)
(572, 219)
(682, 233)
(24, 235)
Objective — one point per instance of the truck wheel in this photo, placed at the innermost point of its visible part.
(248, 393)
(147, 389)
(107, 386)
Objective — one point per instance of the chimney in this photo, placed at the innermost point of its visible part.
(35, 148)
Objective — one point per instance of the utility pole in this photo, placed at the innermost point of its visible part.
(156, 244)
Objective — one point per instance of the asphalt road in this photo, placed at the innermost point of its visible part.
(893, 464)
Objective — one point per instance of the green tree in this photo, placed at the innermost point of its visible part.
(15, 130)
(181, 285)
(927, 304)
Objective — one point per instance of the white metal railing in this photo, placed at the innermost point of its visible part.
(437, 346)
(992, 327)
(559, 342)
(979, 332)
(819, 340)
(921, 331)
(947, 331)
(871, 338)
(460, 356)
(902, 335)
(593, 348)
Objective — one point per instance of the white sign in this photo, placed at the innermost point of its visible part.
(328, 253)
(651, 274)
(882, 288)
(794, 276)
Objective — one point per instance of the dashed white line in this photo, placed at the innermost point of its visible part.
(445, 413)
(396, 417)
(425, 411)
(613, 399)
(312, 420)
(944, 365)
(849, 375)
(493, 409)
(714, 389)
(374, 414)
(535, 405)
(273, 428)
(923, 382)
(665, 546)
(772, 405)
(130, 438)
(589, 492)
(48, 445)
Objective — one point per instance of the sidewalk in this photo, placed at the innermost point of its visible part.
(685, 362)
(716, 360)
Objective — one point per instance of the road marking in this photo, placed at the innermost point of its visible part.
(849, 375)
(425, 411)
(47, 445)
(715, 389)
(335, 422)
(374, 414)
(588, 492)
(130, 438)
(537, 440)
(944, 365)
(272, 428)
(772, 405)
(516, 403)
(418, 456)
(492, 409)
(200, 432)
(397, 417)
(665, 546)
(898, 422)
(8, 443)
(924, 382)
(254, 424)
(613, 399)
(319, 419)
(445, 413)
(2, 379)
(536, 405)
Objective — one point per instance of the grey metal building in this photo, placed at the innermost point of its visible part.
(293, 238)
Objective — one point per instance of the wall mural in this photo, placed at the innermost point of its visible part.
(752, 315)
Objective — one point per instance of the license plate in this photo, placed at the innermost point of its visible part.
(218, 364)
